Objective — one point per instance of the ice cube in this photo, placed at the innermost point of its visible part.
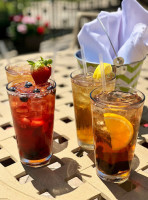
(37, 122)
(22, 109)
(25, 121)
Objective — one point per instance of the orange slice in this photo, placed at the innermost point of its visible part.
(120, 129)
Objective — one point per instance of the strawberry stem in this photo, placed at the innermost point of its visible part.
(40, 63)
(31, 62)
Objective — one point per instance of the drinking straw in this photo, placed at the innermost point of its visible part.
(102, 72)
(83, 61)
(53, 64)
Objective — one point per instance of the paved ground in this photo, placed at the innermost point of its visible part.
(58, 44)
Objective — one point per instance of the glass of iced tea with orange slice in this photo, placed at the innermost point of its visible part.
(115, 117)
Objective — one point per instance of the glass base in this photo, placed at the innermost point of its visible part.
(118, 178)
(86, 146)
(36, 163)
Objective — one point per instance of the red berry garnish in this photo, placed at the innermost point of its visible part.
(41, 70)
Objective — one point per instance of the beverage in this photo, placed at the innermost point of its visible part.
(116, 117)
(81, 87)
(17, 71)
(32, 108)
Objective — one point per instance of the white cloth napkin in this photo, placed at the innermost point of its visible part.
(127, 29)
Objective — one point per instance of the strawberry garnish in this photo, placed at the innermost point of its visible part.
(40, 70)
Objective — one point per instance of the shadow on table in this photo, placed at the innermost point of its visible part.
(137, 183)
(59, 143)
(54, 180)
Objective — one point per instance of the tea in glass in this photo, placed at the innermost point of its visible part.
(116, 117)
(32, 108)
(81, 87)
(18, 70)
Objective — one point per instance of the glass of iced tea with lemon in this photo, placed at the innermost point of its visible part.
(116, 117)
(81, 87)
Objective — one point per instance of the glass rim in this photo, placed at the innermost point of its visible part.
(114, 104)
(95, 80)
(29, 94)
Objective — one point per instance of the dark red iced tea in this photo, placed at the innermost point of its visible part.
(32, 110)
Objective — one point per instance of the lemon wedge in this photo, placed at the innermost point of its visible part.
(120, 129)
(107, 70)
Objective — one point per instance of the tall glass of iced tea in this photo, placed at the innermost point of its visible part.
(32, 108)
(116, 117)
(81, 87)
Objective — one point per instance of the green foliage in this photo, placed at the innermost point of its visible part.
(40, 63)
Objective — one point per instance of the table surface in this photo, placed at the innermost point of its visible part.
(71, 173)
